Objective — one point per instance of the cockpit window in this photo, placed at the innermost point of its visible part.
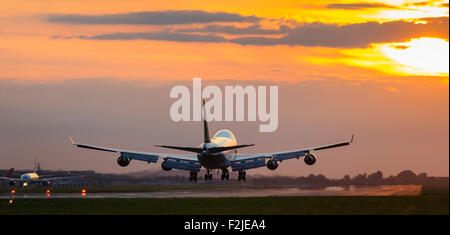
(225, 134)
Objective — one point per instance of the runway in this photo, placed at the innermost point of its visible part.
(385, 190)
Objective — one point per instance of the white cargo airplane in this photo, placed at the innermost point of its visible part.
(31, 178)
(214, 153)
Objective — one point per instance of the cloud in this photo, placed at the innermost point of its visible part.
(359, 35)
(159, 36)
(426, 3)
(152, 18)
(391, 89)
(231, 29)
(359, 6)
(354, 35)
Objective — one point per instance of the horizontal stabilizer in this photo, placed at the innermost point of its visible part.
(221, 149)
(210, 150)
(189, 149)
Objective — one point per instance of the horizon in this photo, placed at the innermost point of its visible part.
(175, 173)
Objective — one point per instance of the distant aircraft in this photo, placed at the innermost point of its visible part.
(7, 175)
(214, 153)
(31, 178)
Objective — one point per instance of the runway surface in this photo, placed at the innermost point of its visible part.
(385, 190)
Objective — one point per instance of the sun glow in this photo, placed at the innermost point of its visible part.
(426, 56)
(413, 10)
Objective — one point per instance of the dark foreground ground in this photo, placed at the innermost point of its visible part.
(433, 200)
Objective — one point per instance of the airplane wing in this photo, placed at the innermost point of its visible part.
(179, 159)
(250, 161)
(59, 178)
(8, 178)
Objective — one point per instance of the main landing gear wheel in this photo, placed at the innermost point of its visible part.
(193, 176)
(225, 174)
(241, 176)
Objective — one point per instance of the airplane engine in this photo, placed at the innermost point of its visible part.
(272, 165)
(12, 183)
(123, 162)
(45, 183)
(164, 166)
(310, 159)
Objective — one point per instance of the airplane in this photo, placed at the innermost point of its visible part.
(218, 152)
(31, 178)
(7, 175)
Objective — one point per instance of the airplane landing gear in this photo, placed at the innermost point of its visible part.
(241, 175)
(225, 174)
(193, 176)
(208, 175)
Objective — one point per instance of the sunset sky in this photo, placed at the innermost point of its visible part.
(378, 69)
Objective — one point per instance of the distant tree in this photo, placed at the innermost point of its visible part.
(422, 177)
(346, 180)
(323, 180)
(375, 178)
(302, 180)
(319, 180)
(406, 177)
(390, 180)
(360, 179)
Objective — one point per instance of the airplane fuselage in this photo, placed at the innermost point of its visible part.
(221, 160)
(29, 177)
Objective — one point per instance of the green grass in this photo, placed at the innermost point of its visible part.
(438, 189)
(426, 204)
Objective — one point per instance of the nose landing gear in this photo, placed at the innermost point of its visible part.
(193, 176)
(208, 175)
(225, 174)
(241, 175)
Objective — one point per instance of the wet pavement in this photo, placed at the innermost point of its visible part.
(385, 190)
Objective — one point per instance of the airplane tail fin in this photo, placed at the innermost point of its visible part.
(205, 136)
(205, 125)
(37, 167)
(9, 173)
(206, 140)
(200, 150)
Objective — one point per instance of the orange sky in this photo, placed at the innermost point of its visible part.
(32, 48)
